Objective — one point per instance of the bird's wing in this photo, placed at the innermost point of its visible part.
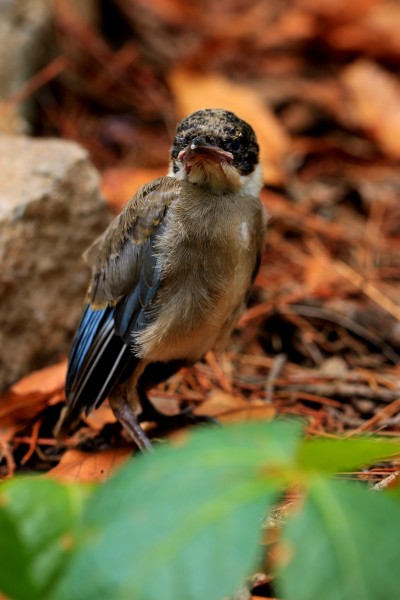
(124, 281)
(119, 258)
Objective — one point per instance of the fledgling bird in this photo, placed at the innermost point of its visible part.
(171, 273)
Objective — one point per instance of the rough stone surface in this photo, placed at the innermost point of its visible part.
(50, 211)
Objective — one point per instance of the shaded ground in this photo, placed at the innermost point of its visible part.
(321, 336)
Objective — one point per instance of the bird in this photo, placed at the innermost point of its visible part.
(171, 273)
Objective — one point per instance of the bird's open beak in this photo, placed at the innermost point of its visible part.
(198, 150)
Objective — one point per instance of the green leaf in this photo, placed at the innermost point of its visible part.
(182, 523)
(394, 493)
(15, 578)
(331, 456)
(345, 545)
(37, 523)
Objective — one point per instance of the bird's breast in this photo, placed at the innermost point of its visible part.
(206, 259)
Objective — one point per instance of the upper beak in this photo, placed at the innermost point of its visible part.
(198, 149)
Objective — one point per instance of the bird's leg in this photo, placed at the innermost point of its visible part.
(125, 414)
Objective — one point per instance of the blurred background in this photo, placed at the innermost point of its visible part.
(319, 82)
(116, 75)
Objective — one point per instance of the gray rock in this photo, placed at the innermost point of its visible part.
(50, 211)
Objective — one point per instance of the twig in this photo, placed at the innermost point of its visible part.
(43, 77)
(333, 317)
(32, 441)
(391, 481)
(344, 390)
(367, 288)
(386, 412)
(221, 377)
(275, 371)
(5, 452)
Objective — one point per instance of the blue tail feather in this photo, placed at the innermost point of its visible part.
(97, 360)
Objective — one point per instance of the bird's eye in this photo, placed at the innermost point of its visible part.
(235, 145)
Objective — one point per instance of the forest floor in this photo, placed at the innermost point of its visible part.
(320, 338)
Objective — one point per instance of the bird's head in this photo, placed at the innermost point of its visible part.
(215, 149)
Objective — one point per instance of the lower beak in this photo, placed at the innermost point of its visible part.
(204, 152)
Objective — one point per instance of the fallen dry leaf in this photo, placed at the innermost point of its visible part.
(16, 409)
(373, 96)
(228, 408)
(319, 276)
(29, 396)
(89, 467)
(332, 8)
(100, 417)
(119, 184)
(375, 32)
(194, 91)
(46, 381)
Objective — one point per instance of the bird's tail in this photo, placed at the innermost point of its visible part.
(99, 359)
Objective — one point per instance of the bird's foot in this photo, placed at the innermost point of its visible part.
(129, 421)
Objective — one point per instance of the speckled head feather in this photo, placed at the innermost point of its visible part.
(220, 128)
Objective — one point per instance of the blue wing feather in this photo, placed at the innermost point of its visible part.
(90, 322)
(101, 354)
(98, 359)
